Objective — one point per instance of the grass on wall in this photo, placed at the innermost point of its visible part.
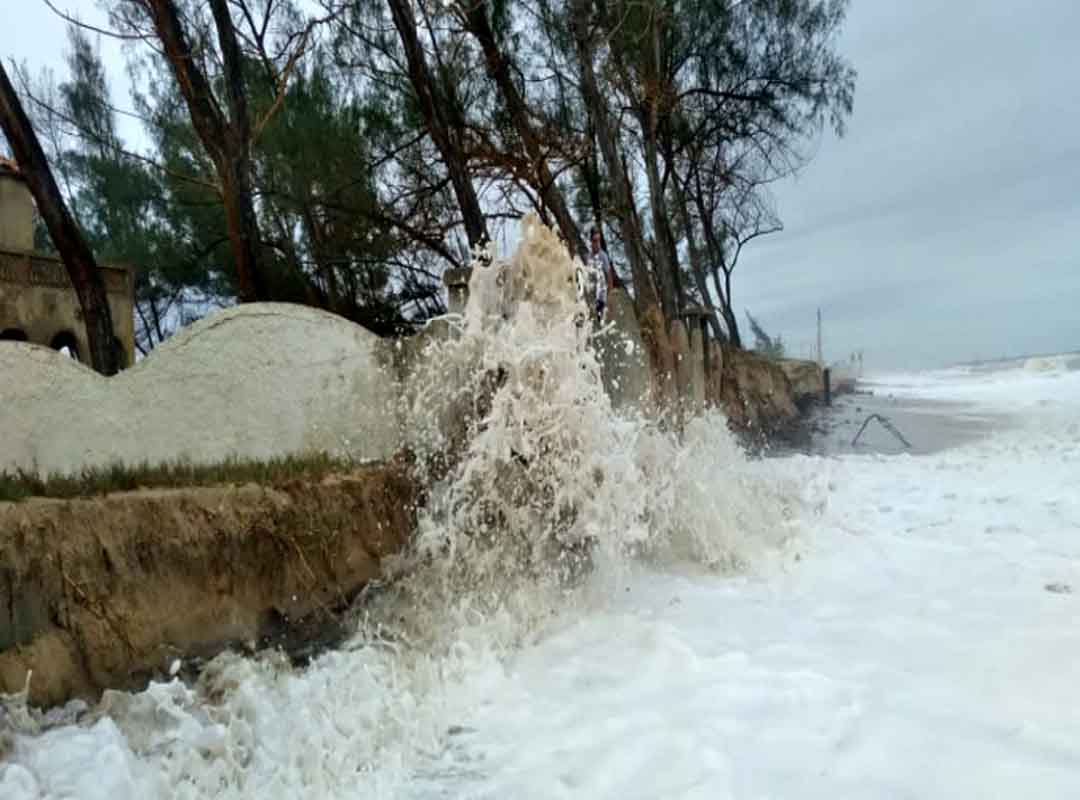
(92, 482)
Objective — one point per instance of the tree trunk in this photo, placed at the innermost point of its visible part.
(625, 211)
(242, 226)
(435, 117)
(498, 68)
(650, 112)
(590, 176)
(697, 267)
(228, 141)
(716, 256)
(239, 208)
(729, 313)
(666, 258)
(726, 310)
(323, 265)
(79, 260)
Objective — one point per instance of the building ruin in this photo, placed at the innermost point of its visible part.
(38, 303)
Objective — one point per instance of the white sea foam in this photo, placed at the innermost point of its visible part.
(1018, 387)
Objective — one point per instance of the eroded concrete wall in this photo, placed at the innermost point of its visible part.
(807, 379)
(267, 380)
(108, 592)
(255, 381)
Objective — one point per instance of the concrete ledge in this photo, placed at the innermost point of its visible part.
(107, 592)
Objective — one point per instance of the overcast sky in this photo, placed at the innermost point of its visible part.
(944, 227)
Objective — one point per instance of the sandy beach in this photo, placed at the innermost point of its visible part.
(927, 426)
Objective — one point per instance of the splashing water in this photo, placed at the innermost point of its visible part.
(550, 502)
(551, 474)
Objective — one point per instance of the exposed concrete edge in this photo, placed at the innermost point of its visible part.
(107, 592)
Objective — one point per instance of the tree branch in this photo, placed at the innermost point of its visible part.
(127, 37)
(93, 137)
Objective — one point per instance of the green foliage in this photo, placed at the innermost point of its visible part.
(355, 210)
(763, 343)
(326, 241)
(325, 210)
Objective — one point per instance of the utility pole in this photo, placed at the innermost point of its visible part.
(820, 356)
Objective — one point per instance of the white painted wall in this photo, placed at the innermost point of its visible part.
(255, 381)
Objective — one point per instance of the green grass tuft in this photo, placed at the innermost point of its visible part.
(95, 481)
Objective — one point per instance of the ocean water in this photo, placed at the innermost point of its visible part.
(838, 625)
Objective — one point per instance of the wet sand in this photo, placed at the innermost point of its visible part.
(928, 426)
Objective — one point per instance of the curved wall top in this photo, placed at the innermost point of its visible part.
(254, 381)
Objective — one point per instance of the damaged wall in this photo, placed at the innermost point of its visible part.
(676, 371)
(107, 592)
(267, 379)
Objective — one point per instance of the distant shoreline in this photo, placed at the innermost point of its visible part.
(982, 362)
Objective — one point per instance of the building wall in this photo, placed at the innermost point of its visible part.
(37, 301)
(36, 298)
(16, 213)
